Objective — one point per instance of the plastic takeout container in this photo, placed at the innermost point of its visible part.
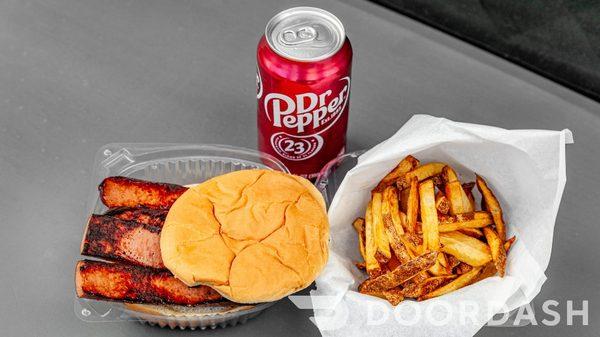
(187, 164)
(182, 164)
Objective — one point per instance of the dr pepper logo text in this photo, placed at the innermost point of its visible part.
(303, 117)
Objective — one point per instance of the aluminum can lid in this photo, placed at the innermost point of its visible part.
(305, 34)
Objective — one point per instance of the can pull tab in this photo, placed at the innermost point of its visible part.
(298, 35)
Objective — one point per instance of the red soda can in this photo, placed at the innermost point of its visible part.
(303, 89)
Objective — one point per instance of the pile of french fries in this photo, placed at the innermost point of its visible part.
(422, 235)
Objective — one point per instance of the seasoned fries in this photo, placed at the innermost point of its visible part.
(371, 264)
(441, 203)
(406, 165)
(390, 210)
(422, 172)
(412, 205)
(416, 290)
(383, 246)
(477, 219)
(457, 197)
(497, 249)
(468, 188)
(461, 281)
(492, 205)
(399, 275)
(394, 296)
(359, 226)
(488, 270)
(392, 220)
(463, 268)
(509, 243)
(422, 235)
(473, 232)
(429, 217)
(465, 248)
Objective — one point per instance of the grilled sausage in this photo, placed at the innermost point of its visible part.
(116, 239)
(121, 282)
(129, 192)
(148, 216)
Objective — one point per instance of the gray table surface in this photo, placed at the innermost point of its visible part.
(75, 75)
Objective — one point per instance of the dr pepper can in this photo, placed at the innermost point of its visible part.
(303, 89)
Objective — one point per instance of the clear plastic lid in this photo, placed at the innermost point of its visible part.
(181, 164)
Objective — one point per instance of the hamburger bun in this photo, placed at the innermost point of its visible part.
(252, 235)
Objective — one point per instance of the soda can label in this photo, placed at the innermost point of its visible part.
(303, 99)
(303, 117)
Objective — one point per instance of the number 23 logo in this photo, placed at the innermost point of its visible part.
(293, 147)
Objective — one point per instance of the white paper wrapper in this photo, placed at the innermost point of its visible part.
(526, 170)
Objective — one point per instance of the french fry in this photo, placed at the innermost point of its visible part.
(394, 238)
(399, 275)
(440, 267)
(392, 263)
(394, 295)
(429, 221)
(441, 203)
(509, 243)
(461, 281)
(419, 228)
(412, 205)
(449, 174)
(372, 265)
(421, 249)
(411, 242)
(478, 219)
(407, 164)
(383, 253)
(400, 245)
(412, 251)
(403, 199)
(492, 205)
(429, 217)
(488, 270)
(459, 202)
(453, 262)
(412, 289)
(463, 268)
(435, 282)
(400, 250)
(359, 226)
(410, 233)
(497, 249)
(414, 238)
(383, 260)
(416, 290)
(420, 277)
(422, 172)
(472, 232)
(391, 210)
(468, 188)
(465, 248)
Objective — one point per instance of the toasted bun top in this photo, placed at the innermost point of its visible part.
(252, 235)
